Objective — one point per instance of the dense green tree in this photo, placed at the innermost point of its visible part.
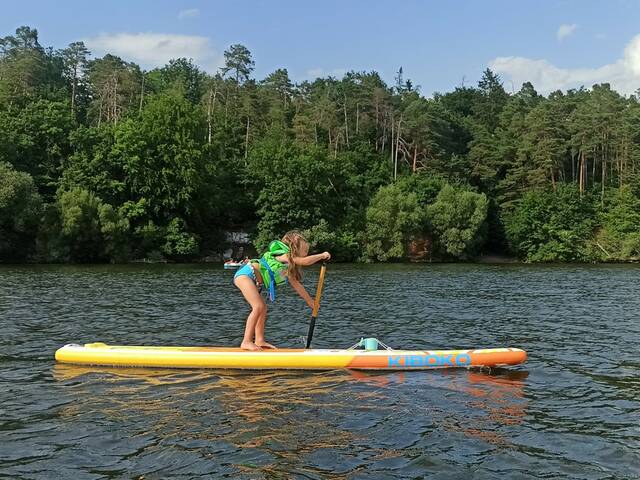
(492, 99)
(550, 226)
(179, 242)
(393, 219)
(460, 102)
(115, 87)
(457, 218)
(619, 235)
(81, 228)
(36, 141)
(545, 145)
(296, 188)
(132, 164)
(238, 62)
(428, 136)
(20, 210)
(75, 58)
(181, 74)
(280, 88)
(23, 66)
(94, 164)
(162, 157)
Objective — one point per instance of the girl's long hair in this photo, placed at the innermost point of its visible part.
(294, 239)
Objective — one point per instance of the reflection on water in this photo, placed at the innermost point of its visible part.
(296, 421)
(570, 412)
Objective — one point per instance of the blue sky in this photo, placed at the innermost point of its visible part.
(555, 43)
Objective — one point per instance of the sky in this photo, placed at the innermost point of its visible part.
(555, 44)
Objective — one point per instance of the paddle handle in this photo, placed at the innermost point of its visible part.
(316, 302)
(316, 305)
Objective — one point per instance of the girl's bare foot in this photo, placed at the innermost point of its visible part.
(250, 346)
(264, 344)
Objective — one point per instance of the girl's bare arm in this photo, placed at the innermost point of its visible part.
(311, 259)
(298, 287)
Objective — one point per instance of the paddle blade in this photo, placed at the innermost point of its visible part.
(312, 326)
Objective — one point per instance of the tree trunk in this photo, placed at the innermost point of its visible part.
(209, 99)
(211, 104)
(619, 160)
(73, 88)
(142, 94)
(115, 102)
(226, 107)
(586, 172)
(377, 123)
(581, 173)
(100, 111)
(395, 166)
(346, 121)
(604, 173)
(392, 142)
(246, 143)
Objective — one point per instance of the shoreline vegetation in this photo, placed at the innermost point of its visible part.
(104, 162)
(218, 260)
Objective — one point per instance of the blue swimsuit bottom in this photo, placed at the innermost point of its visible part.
(248, 271)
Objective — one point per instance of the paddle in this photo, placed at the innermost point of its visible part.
(316, 305)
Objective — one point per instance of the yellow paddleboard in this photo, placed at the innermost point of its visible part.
(283, 358)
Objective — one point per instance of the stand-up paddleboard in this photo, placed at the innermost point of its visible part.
(284, 358)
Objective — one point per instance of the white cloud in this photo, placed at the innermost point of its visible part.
(156, 49)
(321, 72)
(600, 36)
(632, 55)
(190, 13)
(565, 30)
(315, 72)
(623, 74)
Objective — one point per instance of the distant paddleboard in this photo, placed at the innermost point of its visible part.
(232, 265)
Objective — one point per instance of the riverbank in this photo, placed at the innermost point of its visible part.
(219, 260)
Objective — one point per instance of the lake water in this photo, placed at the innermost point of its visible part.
(571, 411)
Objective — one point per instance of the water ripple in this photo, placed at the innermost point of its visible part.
(570, 412)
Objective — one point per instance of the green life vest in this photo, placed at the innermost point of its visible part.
(274, 272)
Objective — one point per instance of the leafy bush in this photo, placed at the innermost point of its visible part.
(178, 242)
(294, 189)
(619, 235)
(114, 227)
(20, 210)
(343, 245)
(458, 219)
(80, 227)
(552, 226)
(393, 218)
(299, 186)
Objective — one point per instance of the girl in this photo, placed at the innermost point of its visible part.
(281, 263)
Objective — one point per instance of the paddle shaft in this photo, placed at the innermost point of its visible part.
(316, 305)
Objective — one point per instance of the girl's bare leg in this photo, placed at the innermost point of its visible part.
(259, 331)
(258, 310)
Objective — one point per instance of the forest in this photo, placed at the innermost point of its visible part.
(103, 161)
